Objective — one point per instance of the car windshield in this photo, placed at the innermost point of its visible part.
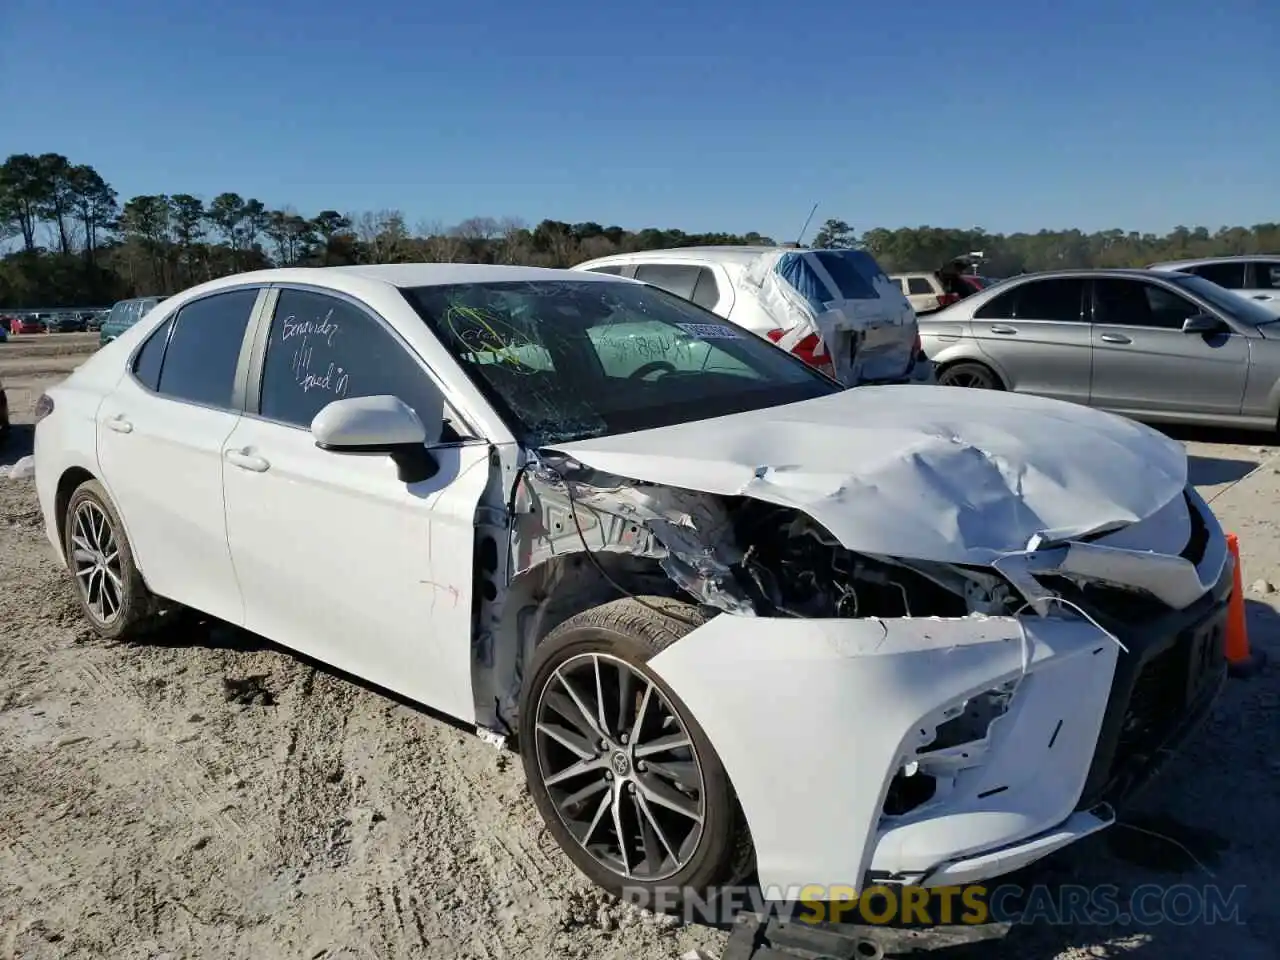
(565, 360)
(1237, 306)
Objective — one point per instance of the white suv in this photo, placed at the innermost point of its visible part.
(835, 309)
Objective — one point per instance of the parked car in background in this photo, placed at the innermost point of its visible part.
(1160, 346)
(925, 291)
(94, 320)
(646, 572)
(124, 315)
(67, 322)
(7, 320)
(1255, 277)
(28, 323)
(835, 309)
(4, 334)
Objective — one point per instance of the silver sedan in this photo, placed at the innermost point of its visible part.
(1156, 346)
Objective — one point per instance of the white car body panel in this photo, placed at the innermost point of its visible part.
(869, 689)
(332, 555)
(164, 473)
(339, 560)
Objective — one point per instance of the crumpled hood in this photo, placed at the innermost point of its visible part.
(924, 472)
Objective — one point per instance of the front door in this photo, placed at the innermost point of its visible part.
(337, 558)
(160, 438)
(1144, 364)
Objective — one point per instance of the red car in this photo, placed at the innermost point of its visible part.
(27, 324)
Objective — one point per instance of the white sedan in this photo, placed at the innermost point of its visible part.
(735, 616)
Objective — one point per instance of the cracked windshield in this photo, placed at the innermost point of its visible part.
(567, 360)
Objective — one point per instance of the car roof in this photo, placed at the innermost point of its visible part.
(722, 254)
(1136, 272)
(409, 274)
(1205, 261)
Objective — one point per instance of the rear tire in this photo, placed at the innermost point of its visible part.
(622, 783)
(113, 596)
(969, 373)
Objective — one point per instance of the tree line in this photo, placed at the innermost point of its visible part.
(71, 241)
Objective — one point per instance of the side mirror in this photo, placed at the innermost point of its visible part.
(1203, 323)
(378, 426)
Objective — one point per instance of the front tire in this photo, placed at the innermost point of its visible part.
(113, 596)
(623, 776)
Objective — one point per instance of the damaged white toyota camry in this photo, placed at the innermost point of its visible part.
(735, 616)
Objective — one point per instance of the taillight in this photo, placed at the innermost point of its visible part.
(44, 407)
(947, 299)
(805, 350)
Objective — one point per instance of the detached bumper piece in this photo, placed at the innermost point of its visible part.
(754, 938)
(1163, 690)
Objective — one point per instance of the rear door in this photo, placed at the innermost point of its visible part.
(1144, 364)
(869, 326)
(160, 437)
(1037, 334)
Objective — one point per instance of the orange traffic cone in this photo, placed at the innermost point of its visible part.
(1241, 661)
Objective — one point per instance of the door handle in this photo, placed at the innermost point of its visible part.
(1262, 296)
(1114, 338)
(119, 424)
(247, 461)
(1001, 328)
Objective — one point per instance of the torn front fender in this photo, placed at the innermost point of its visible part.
(814, 720)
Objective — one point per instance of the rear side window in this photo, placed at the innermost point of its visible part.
(854, 273)
(705, 292)
(1057, 299)
(204, 348)
(1229, 275)
(146, 365)
(676, 278)
(919, 285)
(612, 268)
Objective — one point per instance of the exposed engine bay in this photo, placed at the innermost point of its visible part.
(794, 567)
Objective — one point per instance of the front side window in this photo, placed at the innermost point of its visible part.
(1135, 303)
(204, 348)
(322, 348)
(1266, 276)
(1229, 275)
(565, 360)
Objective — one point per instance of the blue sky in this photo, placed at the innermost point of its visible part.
(704, 115)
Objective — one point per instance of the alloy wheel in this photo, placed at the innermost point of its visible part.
(620, 767)
(95, 557)
(969, 377)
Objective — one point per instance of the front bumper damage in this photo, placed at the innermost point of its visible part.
(842, 736)
(944, 649)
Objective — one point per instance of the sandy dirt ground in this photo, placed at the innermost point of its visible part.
(206, 795)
